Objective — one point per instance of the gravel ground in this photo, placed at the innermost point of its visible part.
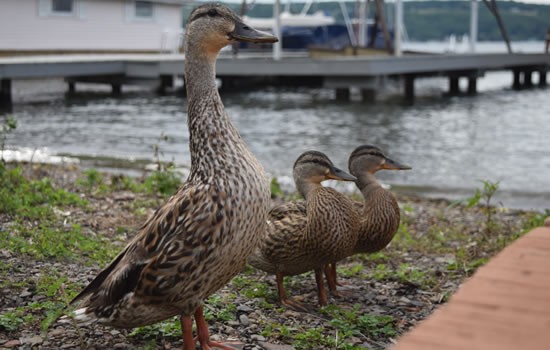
(438, 246)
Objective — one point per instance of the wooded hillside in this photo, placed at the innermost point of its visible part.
(436, 20)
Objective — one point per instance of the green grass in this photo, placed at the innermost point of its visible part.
(32, 200)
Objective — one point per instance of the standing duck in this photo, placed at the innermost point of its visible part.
(296, 243)
(202, 236)
(379, 210)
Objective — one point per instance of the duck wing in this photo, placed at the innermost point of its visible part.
(171, 245)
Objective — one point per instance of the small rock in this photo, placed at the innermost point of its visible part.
(35, 340)
(244, 320)
(244, 308)
(257, 337)
(11, 343)
(416, 303)
(120, 346)
(25, 294)
(56, 332)
(269, 346)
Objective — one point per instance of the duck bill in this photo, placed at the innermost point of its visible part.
(391, 164)
(244, 32)
(340, 175)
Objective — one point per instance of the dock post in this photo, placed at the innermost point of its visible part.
(542, 78)
(342, 94)
(516, 85)
(472, 85)
(368, 95)
(409, 88)
(116, 89)
(528, 78)
(71, 84)
(5, 93)
(454, 87)
(166, 82)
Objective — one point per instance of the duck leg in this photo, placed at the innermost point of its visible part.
(203, 335)
(284, 300)
(330, 273)
(187, 332)
(322, 293)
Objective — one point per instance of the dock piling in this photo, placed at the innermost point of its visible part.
(516, 85)
(454, 86)
(542, 78)
(166, 82)
(409, 88)
(342, 94)
(368, 95)
(472, 85)
(116, 89)
(5, 93)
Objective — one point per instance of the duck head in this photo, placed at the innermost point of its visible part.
(368, 159)
(312, 167)
(214, 26)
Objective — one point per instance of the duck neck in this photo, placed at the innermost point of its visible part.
(305, 188)
(200, 72)
(367, 184)
(210, 130)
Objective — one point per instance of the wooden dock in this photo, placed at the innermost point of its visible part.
(504, 306)
(340, 73)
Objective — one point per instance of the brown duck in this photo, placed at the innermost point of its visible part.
(296, 243)
(379, 210)
(202, 236)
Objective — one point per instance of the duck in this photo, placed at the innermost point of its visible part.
(296, 243)
(379, 210)
(202, 236)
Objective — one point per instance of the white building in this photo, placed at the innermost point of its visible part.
(53, 26)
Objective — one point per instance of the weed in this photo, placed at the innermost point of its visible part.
(8, 126)
(169, 328)
(157, 153)
(92, 180)
(163, 182)
(219, 309)
(11, 320)
(276, 188)
(313, 338)
(486, 195)
(351, 271)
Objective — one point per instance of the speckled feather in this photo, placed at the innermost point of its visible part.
(202, 236)
(296, 243)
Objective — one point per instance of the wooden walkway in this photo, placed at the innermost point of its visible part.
(505, 305)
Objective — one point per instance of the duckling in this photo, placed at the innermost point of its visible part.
(379, 210)
(202, 236)
(296, 243)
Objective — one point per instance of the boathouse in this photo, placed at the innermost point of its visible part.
(90, 26)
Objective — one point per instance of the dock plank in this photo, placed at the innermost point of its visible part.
(505, 305)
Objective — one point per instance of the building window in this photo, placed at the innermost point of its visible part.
(143, 9)
(63, 6)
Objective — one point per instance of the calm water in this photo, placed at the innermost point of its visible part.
(451, 143)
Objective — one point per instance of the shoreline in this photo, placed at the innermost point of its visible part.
(510, 199)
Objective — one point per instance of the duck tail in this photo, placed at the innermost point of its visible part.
(81, 316)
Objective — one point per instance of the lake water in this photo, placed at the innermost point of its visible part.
(451, 143)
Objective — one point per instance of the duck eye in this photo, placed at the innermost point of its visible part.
(212, 13)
